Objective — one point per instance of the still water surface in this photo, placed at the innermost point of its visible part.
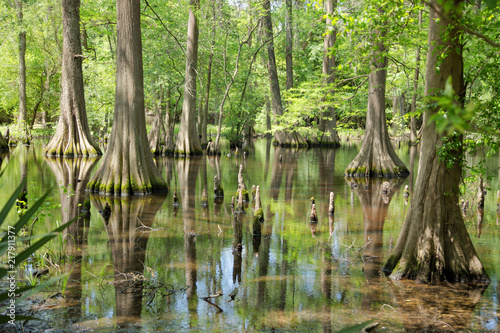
(149, 265)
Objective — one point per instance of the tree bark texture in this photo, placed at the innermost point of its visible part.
(155, 134)
(188, 142)
(280, 137)
(169, 147)
(377, 157)
(434, 245)
(22, 117)
(328, 122)
(72, 137)
(128, 167)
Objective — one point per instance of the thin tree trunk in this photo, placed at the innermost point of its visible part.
(204, 118)
(72, 137)
(413, 121)
(154, 136)
(289, 45)
(128, 167)
(434, 245)
(169, 147)
(377, 157)
(45, 87)
(188, 142)
(282, 138)
(328, 121)
(22, 65)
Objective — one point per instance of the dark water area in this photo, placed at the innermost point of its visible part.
(149, 266)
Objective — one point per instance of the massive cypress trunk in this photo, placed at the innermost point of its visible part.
(188, 142)
(281, 137)
(72, 136)
(128, 166)
(22, 117)
(434, 244)
(328, 122)
(377, 156)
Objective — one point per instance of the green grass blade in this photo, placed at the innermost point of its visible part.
(11, 202)
(33, 248)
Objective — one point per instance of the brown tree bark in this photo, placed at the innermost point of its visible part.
(328, 121)
(128, 166)
(280, 137)
(188, 142)
(377, 157)
(22, 117)
(72, 137)
(434, 245)
(155, 134)
(170, 115)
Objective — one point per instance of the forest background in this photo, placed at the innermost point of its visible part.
(228, 27)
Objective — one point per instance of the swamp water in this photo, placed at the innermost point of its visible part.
(147, 266)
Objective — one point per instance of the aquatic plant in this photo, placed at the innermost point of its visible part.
(8, 249)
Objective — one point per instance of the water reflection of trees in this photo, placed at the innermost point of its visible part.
(72, 176)
(187, 173)
(127, 227)
(374, 199)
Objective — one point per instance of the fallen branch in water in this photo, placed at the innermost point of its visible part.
(207, 299)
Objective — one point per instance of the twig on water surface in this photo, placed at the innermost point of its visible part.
(348, 247)
(364, 246)
(218, 307)
(207, 299)
(143, 226)
(383, 306)
(220, 230)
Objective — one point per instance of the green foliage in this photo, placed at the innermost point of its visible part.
(8, 247)
(451, 116)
